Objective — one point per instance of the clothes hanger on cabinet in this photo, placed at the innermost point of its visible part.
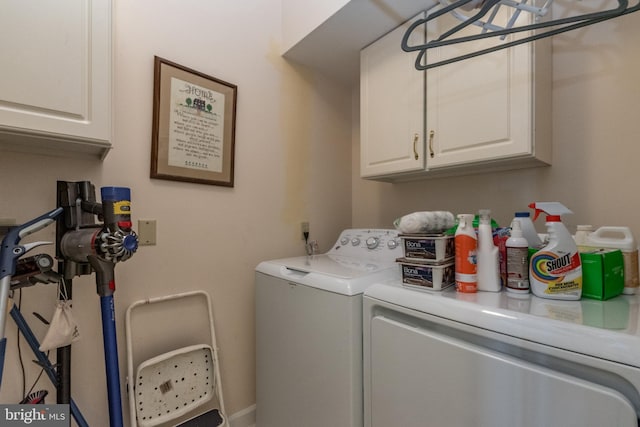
(489, 29)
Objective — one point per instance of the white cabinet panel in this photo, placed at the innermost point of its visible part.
(479, 109)
(55, 91)
(392, 105)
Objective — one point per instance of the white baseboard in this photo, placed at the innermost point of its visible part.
(244, 418)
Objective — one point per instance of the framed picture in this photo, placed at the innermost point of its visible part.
(193, 135)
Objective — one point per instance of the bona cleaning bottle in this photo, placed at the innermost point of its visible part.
(555, 270)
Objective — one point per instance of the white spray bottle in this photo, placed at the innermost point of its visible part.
(555, 271)
(517, 260)
(488, 256)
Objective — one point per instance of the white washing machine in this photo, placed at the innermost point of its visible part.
(492, 360)
(309, 330)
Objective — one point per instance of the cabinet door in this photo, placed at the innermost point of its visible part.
(56, 72)
(391, 107)
(478, 109)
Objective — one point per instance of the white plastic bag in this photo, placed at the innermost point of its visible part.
(63, 329)
(425, 222)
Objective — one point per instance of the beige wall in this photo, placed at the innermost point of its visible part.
(596, 135)
(292, 164)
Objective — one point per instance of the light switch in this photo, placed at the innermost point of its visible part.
(146, 232)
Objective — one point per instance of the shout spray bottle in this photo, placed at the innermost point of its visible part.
(555, 271)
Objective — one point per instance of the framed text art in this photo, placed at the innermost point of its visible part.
(193, 135)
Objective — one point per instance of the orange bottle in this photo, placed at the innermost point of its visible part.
(466, 243)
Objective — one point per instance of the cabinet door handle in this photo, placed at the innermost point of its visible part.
(416, 137)
(431, 135)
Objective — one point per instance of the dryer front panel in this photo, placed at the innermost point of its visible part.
(422, 374)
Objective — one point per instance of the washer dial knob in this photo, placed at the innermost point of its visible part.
(372, 242)
(344, 241)
(355, 241)
(392, 244)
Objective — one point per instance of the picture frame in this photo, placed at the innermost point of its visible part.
(194, 120)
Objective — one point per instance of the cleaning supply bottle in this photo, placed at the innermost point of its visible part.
(619, 238)
(555, 271)
(517, 260)
(476, 222)
(528, 229)
(466, 245)
(488, 257)
(582, 233)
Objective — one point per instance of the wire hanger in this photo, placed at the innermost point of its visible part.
(489, 29)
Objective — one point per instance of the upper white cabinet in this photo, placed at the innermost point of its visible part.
(56, 83)
(391, 108)
(491, 112)
(489, 108)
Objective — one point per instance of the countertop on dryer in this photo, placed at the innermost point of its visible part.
(605, 329)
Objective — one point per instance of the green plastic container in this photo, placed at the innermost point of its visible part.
(602, 273)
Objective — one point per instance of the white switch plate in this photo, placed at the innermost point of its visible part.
(146, 232)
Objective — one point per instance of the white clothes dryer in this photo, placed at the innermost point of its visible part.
(309, 330)
(496, 360)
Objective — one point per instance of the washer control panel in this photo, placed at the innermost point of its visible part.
(369, 243)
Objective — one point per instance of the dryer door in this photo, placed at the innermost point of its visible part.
(421, 377)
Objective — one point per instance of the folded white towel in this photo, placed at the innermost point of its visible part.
(425, 222)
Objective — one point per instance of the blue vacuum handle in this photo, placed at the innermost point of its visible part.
(111, 360)
(3, 345)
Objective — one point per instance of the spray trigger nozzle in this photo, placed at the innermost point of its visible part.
(536, 213)
(550, 208)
